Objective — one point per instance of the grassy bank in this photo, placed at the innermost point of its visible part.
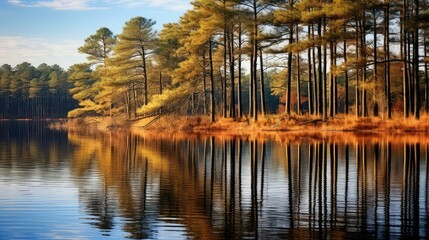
(283, 123)
(268, 123)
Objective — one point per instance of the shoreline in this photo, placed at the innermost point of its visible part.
(243, 126)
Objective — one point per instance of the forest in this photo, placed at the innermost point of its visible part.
(34, 92)
(234, 59)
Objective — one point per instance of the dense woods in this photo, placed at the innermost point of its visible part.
(245, 59)
(34, 92)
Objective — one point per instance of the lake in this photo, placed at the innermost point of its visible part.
(86, 185)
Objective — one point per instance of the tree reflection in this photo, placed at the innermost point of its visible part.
(123, 174)
(218, 187)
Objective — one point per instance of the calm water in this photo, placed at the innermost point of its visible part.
(59, 185)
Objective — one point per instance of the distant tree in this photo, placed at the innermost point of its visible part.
(5, 79)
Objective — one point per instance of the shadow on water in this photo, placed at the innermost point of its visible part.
(217, 187)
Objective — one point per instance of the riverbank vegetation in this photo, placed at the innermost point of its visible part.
(274, 65)
(244, 126)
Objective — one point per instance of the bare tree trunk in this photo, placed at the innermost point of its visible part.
(240, 103)
(213, 107)
(426, 79)
(320, 70)
(145, 76)
(410, 72)
(335, 81)
(127, 103)
(232, 74)
(387, 58)
(315, 78)
(324, 86)
(134, 91)
(375, 58)
(346, 76)
(298, 77)
(363, 56)
(310, 82)
(255, 60)
(251, 113)
(375, 42)
(357, 98)
(404, 58)
(416, 64)
(262, 82)
(289, 72)
(331, 78)
(160, 90)
(204, 84)
(224, 102)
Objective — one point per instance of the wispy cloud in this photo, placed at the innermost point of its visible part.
(78, 5)
(16, 2)
(83, 5)
(15, 50)
(178, 5)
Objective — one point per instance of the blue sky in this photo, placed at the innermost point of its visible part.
(50, 31)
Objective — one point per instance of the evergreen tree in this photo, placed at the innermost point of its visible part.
(99, 46)
(130, 61)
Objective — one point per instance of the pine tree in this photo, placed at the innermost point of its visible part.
(5, 79)
(99, 46)
(129, 67)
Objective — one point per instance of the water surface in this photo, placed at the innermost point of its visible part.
(156, 186)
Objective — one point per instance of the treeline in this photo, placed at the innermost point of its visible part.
(30, 92)
(324, 57)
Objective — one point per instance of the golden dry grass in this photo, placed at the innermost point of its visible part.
(288, 123)
(279, 128)
(244, 126)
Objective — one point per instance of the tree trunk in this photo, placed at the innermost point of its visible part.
(325, 89)
(232, 75)
(212, 95)
(335, 81)
(224, 102)
(289, 72)
(375, 43)
(387, 58)
(404, 58)
(204, 84)
(255, 60)
(363, 68)
(320, 70)
(251, 113)
(240, 103)
(315, 79)
(128, 102)
(375, 58)
(298, 77)
(261, 82)
(416, 64)
(310, 83)
(331, 79)
(346, 77)
(134, 90)
(426, 79)
(357, 98)
(145, 76)
(410, 72)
